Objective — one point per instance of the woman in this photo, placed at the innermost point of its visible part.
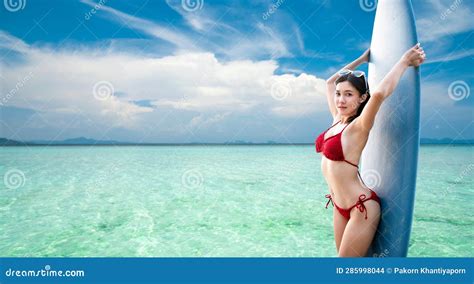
(357, 209)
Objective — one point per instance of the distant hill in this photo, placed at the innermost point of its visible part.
(8, 142)
(73, 141)
(445, 141)
(88, 141)
(78, 141)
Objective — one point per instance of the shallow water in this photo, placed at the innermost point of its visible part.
(206, 201)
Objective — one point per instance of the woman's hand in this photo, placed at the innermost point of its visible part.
(351, 66)
(415, 56)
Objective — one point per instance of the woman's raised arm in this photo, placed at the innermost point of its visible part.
(415, 56)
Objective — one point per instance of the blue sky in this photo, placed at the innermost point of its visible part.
(209, 71)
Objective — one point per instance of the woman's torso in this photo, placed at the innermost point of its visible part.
(341, 177)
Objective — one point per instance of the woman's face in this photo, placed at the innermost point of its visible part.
(347, 99)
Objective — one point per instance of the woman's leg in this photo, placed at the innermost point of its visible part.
(359, 231)
(340, 223)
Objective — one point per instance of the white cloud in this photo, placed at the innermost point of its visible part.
(454, 55)
(12, 43)
(205, 121)
(299, 94)
(208, 33)
(441, 116)
(145, 26)
(205, 20)
(197, 83)
(444, 19)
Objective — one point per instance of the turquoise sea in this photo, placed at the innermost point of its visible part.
(206, 201)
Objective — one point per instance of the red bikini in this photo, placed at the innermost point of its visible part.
(331, 148)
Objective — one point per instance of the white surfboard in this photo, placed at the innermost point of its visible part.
(389, 160)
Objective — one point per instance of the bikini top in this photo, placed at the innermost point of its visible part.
(331, 147)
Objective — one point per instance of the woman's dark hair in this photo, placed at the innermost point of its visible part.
(360, 85)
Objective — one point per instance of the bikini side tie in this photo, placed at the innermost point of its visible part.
(330, 200)
(360, 204)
